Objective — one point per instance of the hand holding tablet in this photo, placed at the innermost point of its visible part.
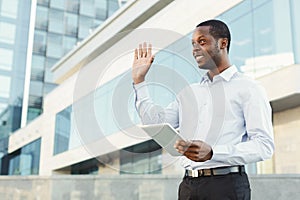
(165, 135)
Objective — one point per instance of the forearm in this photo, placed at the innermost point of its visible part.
(245, 152)
(151, 113)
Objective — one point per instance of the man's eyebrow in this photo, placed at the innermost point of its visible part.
(199, 37)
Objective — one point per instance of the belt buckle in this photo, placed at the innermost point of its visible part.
(197, 173)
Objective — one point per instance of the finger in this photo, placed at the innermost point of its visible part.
(194, 150)
(136, 54)
(140, 51)
(149, 53)
(152, 59)
(145, 49)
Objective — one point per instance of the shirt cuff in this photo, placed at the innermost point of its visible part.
(220, 152)
(141, 90)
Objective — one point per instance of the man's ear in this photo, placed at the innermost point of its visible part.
(223, 43)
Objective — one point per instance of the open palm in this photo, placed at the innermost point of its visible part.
(143, 59)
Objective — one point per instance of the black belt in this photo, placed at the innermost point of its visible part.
(214, 171)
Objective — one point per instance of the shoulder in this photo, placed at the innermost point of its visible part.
(248, 87)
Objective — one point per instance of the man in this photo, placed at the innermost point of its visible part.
(214, 159)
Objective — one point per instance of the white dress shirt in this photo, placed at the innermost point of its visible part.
(231, 113)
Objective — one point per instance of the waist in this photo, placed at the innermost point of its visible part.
(214, 171)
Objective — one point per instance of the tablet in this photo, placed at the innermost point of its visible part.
(165, 135)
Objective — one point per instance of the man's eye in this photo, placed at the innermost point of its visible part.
(202, 41)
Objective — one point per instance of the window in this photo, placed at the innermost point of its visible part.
(256, 28)
(68, 43)
(85, 24)
(101, 9)
(113, 6)
(72, 6)
(295, 17)
(33, 113)
(37, 70)
(35, 101)
(48, 73)
(9, 8)
(71, 24)
(39, 45)
(143, 158)
(2, 107)
(62, 130)
(87, 8)
(56, 19)
(41, 21)
(7, 33)
(43, 2)
(86, 167)
(36, 88)
(58, 4)
(26, 160)
(6, 60)
(4, 86)
(54, 46)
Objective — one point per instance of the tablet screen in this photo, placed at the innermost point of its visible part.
(165, 135)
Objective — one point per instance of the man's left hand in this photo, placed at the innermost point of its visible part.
(195, 150)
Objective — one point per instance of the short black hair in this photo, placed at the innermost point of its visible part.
(218, 29)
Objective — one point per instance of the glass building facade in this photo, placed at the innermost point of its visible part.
(263, 40)
(25, 161)
(60, 25)
(264, 35)
(14, 27)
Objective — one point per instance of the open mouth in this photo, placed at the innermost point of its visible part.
(198, 57)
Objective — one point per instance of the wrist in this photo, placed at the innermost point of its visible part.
(137, 81)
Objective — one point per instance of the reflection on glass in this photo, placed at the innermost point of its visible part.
(6, 60)
(54, 49)
(41, 21)
(66, 136)
(59, 4)
(62, 130)
(113, 6)
(9, 8)
(39, 44)
(71, 24)
(26, 160)
(72, 6)
(101, 9)
(87, 8)
(85, 24)
(4, 86)
(7, 33)
(33, 113)
(56, 19)
(257, 36)
(143, 158)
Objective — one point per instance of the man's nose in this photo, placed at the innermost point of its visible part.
(196, 48)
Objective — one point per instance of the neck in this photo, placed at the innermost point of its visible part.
(219, 68)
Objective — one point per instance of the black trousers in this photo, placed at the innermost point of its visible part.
(233, 186)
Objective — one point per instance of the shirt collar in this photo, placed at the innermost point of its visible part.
(226, 74)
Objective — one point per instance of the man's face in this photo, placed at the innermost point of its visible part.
(206, 50)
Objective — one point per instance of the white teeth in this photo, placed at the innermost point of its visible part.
(198, 58)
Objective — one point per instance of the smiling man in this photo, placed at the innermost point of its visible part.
(214, 158)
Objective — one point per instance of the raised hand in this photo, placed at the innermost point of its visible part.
(143, 59)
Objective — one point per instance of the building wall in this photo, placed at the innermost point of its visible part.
(287, 137)
(94, 61)
(131, 187)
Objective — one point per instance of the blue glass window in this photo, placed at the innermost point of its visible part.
(143, 158)
(62, 130)
(26, 160)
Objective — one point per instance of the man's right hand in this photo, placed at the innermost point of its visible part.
(143, 59)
